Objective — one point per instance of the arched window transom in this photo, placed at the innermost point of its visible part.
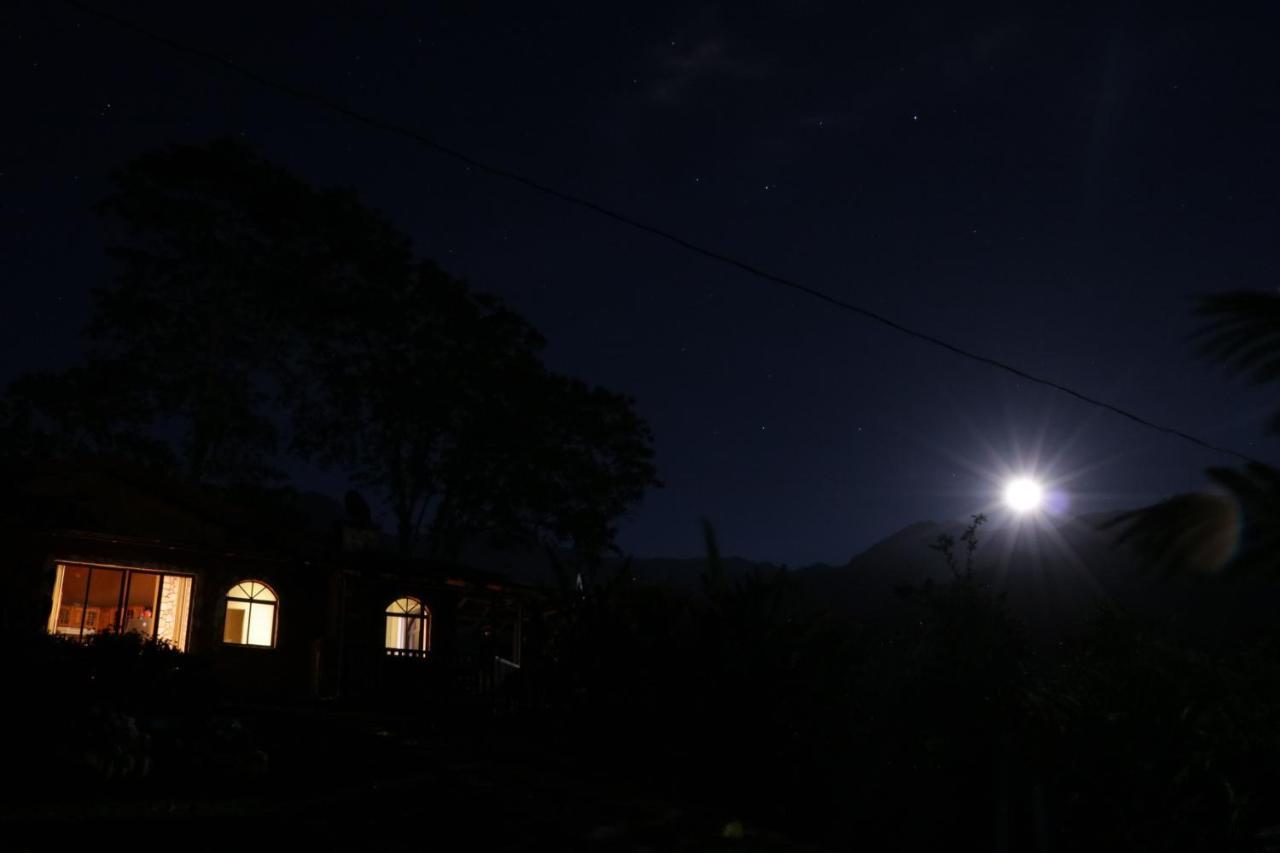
(408, 628)
(250, 615)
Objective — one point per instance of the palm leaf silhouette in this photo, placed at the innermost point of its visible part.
(1242, 333)
(1237, 529)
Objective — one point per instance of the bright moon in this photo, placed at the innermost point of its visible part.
(1023, 494)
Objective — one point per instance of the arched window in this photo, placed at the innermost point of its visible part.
(251, 615)
(408, 628)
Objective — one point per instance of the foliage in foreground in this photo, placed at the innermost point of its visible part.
(119, 710)
(945, 723)
(1236, 528)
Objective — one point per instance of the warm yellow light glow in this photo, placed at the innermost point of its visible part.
(250, 616)
(92, 598)
(1023, 494)
(408, 627)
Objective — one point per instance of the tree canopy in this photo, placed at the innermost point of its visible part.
(254, 319)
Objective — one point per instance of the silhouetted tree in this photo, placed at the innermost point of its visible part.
(397, 380)
(548, 460)
(254, 315)
(86, 411)
(215, 248)
(945, 545)
(1238, 529)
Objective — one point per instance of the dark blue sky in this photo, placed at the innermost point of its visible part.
(1045, 186)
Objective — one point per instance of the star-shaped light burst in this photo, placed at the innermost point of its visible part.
(1023, 495)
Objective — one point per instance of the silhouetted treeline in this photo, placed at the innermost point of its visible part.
(941, 725)
(944, 725)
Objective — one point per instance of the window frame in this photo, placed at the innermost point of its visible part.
(116, 626)
(274, 601)
(422, 617)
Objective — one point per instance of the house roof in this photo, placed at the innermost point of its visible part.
(101, 498)
(101, 501)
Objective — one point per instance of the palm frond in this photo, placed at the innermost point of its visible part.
(1236, 531)
(1242, 332)
(1185, 534)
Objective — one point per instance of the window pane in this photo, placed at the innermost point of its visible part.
(236, 628)
(70, 592)
(102, 608)
(261, 622)
(250, 623)
(140, 604)
(174, 611)
(405, 632)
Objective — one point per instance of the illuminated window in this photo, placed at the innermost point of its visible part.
(408, 628)
(95, 599)
(251, 615)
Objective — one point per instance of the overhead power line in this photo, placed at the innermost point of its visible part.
(392, 127)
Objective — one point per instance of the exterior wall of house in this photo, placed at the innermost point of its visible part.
(289, 669)
(368, 673)
(292, 668)
(330, 638)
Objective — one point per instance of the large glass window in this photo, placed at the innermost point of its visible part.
(173, 615)
(408, 628)
(250, 615)
(142, 594)
(89, 600)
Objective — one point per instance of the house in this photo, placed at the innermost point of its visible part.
(281, 598)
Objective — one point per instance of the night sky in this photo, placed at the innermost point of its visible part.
(1045, 186)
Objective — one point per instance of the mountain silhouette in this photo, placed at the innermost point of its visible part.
(1055, 573)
